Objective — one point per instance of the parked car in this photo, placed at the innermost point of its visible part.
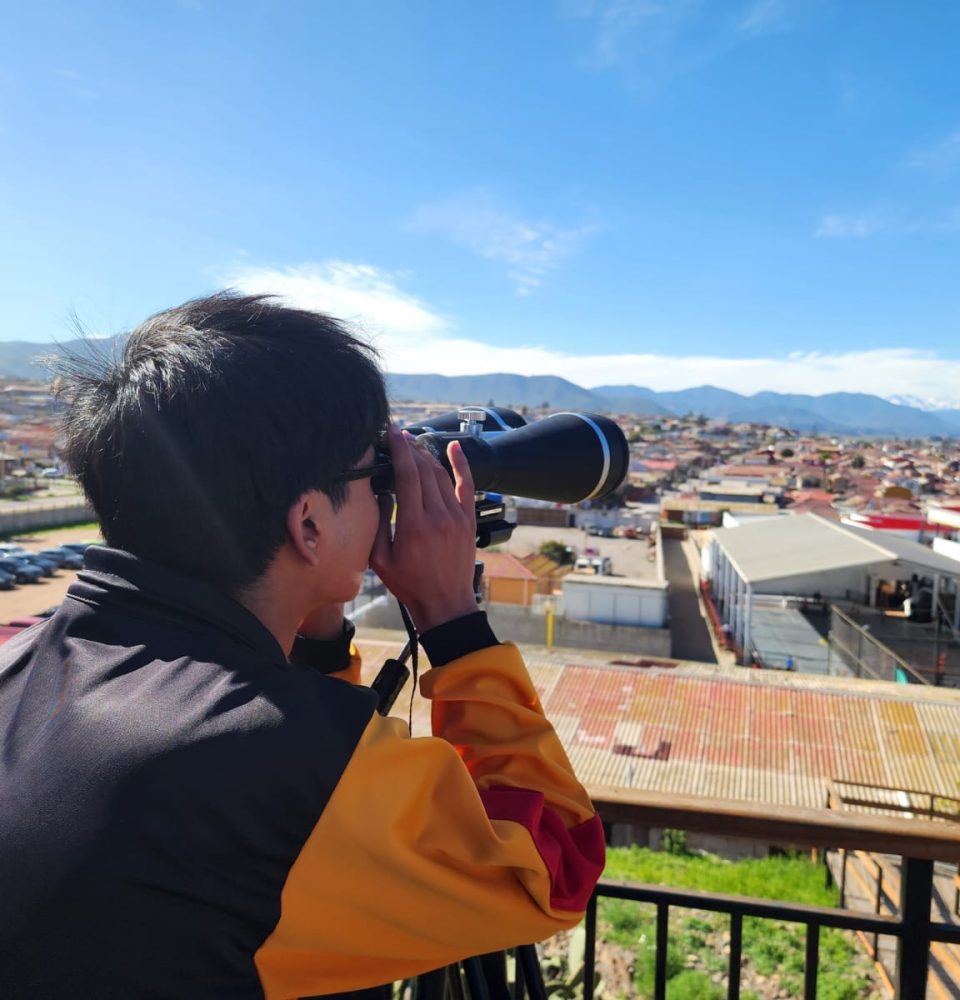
(47, 566)
(65, 558)
(595, 566)
(80, 547)
(7, 580)
(23, 572)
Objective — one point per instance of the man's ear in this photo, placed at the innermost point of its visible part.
(303, 527)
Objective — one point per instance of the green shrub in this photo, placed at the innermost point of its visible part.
(690, 985)
(772, 948)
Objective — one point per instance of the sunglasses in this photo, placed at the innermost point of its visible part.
(380, 474)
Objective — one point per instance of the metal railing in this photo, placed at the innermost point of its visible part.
(912, 928)
(843, 794)
(917, 842)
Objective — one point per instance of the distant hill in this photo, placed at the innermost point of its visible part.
(503, 389)
(837, 412)
(22, 358)
(832, 413)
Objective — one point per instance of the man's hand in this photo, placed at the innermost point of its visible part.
(428, 564)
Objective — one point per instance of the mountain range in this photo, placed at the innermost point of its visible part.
(832, 413)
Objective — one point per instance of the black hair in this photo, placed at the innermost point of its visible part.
(194, 442)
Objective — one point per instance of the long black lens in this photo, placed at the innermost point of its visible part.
(564, 458)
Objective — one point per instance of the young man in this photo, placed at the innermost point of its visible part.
(190, 804)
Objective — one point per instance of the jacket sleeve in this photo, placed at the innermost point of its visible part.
(435, 849)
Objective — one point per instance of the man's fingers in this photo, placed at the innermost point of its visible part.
(427, 466)
(406, 478)
(462, 477)
(382, 544)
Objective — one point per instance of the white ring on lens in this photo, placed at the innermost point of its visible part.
(497, 418)
(606, 452)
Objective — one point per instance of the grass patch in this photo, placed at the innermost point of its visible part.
(698, 946)
(93, 527)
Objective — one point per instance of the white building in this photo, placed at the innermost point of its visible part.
(807, 556)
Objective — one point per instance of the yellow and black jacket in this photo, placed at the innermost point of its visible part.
(186, 813)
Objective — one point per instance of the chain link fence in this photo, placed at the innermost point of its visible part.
(854, 652)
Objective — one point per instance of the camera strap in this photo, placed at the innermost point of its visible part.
(414, 646)
(395, 673)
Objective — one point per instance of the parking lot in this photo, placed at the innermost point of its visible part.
(630, 556)
(32, 598)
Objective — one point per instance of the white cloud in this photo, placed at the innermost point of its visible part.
(625, 30)
(849, 226)
(939, 221)
(414, 338)
(478, 221)
(943, 155)
(881, 372)
(765, 17)
(368, 298)
(621, 19)
(656, 40)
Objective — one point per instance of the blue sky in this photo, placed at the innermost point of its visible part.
(760, 194)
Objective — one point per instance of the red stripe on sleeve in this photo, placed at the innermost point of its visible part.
(573, 857)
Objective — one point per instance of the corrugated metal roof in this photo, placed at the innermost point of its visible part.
(796, 546)
(747, 735)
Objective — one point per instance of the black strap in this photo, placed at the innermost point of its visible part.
(414, 657)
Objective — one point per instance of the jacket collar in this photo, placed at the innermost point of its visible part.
(110, 575)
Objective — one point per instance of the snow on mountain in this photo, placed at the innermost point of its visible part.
(927, 403)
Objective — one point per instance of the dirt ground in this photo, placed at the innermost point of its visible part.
(32, 598)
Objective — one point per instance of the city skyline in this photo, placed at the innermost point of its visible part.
(761, 195)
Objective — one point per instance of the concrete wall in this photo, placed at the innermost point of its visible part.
(545, 517)
(29, 515)
(615, 601)
(517, 624)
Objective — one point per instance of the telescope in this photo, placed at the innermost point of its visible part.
(563, 458)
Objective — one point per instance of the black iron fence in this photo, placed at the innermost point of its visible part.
(911, 927)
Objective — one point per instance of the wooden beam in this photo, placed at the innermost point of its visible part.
(777, 824)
